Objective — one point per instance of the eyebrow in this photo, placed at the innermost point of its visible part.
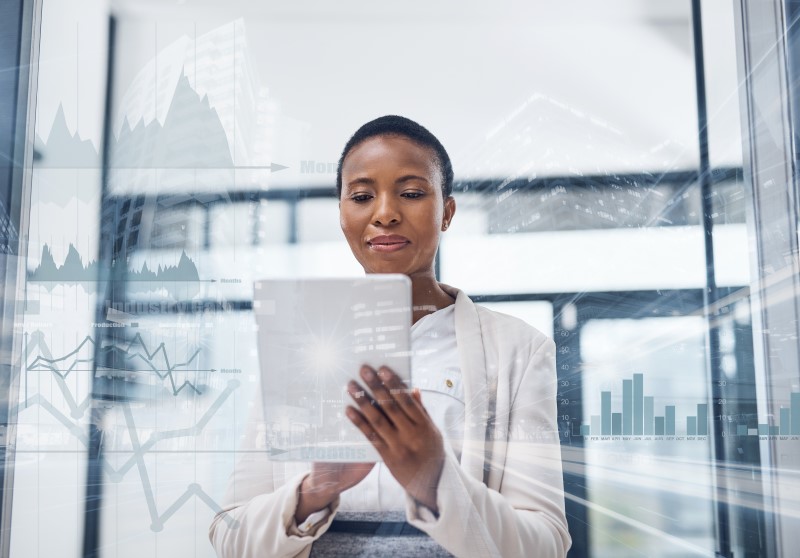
(404, 178)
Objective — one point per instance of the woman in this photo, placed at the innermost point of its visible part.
(475, 462)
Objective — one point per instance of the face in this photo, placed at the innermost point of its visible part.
(392, 210)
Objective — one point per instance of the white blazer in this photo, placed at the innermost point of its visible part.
(504, 498)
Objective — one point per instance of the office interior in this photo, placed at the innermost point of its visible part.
(626, 182)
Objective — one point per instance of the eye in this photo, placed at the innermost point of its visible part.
(360, 198)
(412, 195)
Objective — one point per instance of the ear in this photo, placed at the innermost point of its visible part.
(449, 211)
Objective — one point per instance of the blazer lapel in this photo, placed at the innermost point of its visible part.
(472, 360)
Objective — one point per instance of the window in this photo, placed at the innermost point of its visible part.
(604, 196)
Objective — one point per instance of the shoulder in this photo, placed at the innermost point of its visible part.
(501, 332)
(509, 331)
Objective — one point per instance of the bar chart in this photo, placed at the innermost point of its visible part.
(638, 418)
(788, 425)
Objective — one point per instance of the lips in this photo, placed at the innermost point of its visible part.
(388, 243)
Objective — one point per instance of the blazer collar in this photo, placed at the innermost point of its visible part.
(472, 360)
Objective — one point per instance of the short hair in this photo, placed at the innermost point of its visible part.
(393, 125)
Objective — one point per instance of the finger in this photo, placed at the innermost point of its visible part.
(369, 408)
(418, 397)
(402, 394)
(396, 386)
(384, 396)
(366, 428)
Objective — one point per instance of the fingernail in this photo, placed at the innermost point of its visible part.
(367, 373)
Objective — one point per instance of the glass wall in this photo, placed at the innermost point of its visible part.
(603, 196)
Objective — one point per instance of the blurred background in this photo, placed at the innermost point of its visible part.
(625, 182)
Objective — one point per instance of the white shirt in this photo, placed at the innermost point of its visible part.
(435, 371)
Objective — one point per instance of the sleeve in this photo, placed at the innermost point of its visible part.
(311, 523)
(257, 516)
(525, 517)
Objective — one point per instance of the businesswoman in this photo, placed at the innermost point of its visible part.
(471, 461)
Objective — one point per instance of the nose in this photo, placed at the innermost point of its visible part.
(386, 211)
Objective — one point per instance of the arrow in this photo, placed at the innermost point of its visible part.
(272, 167)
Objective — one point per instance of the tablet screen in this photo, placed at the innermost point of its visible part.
(313, 337)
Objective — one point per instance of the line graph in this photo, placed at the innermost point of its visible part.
(117, 474)
(194, 489)
(73, 270)
(67, 150)
(114, 358)
(39, 344)
(140, 449)
(80, 359)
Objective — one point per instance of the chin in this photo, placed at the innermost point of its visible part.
(386, 267)
(383, 266)
(386, 270)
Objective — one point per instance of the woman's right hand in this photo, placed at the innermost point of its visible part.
(325, 482)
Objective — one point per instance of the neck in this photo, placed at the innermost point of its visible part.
(427, 296)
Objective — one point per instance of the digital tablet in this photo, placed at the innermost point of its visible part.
(313, 337)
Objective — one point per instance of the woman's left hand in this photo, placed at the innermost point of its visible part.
(401, 430)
